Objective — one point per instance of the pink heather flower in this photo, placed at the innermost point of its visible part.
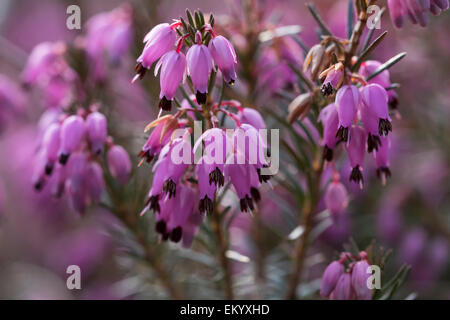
(240, 177)
(50, 143)
(174, 214)
(347, 102)
(356, 151)
(343, 289)
(94, 181)
(359, 280)
(206, 188)
(119, 163)
(72, 132)
(58, 181)
(330, 121)
(370, 66)
(371, 123)
(375, 98)
(336, 197)
(96, 130)
(252, 117)
(199, 66)
(397, 12)
(156, 140)
(154, 195)
(158, 41)
(173, 68)
(382, 159)
(44, 61)
(416, 10)
(333, 79)
(173, 169)
(224, 56)
(330, 278)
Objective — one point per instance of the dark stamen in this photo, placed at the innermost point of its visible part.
(160, 227)
(207, 205)
(140, 70)
(165, 104)
(201, 97)
(39, 185)
(384, 126)
(170, 187)
(154, 203)
(373, 142)
(263, 177)
(63, 158)
(327, 89)
(327, 153)
(357, 176)
(217, 177)
(393, 103)
(342, 133)
(255, 194)
(146, 155)
(176, 234)
(384, 171)
(49, 169)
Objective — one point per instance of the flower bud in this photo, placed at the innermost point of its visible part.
(343, 290)
(119, 163)
(96, 129)
(356, 151)
(330, 278)
(224, 56)
(51, 142)
(72, 132)
(252, 117)
(336, 197)
(299, 107)
(359, 280)
(199, 66)
(347, 102)
(314, 59)
(158, 41)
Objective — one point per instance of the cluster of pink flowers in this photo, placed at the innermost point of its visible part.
(165, 41)
(182, 191)
(69, 157)
(416, 10)
(346, 279)
(359, 117)
(48, 70)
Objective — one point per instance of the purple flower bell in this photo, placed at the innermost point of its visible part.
(158, 41)
(330, 278)
(336, 197)
(359, 280)
(330, 121)
(72, 132)
(224, 56)
(382, 159)
(199, 67)
(96, 130)
(343, 289)
(356, 151)
(252, 117)
(240, 177)
(119, 163)
(347, 102)
(51, 142)
(375, 99)
(159, 137)
(173, 69)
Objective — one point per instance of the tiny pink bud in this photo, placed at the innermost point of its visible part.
(119, 163)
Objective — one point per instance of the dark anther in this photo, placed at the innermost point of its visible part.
(63, 158)
(140, 70)
(356, 175)
(165, 104)
(246, 204)
(231, 82)
(327, 153)
(49, 169)
(39, 185)
(165, 236)
(373, 142)
(255, 194)
(201, 97)
(342, 133)
(160, 227)
(263, 177)
(206, 204)
(176, 234)
(153, 203)
(393, 103)
(383, 171)
(146, 155)
(327, 89)
(217, 177)
(170, 188)
(384, 126)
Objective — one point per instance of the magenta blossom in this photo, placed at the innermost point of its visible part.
(173, 69)
(330, 278)
(96, 130)
(119, 163)
(375, 99)
(336, 197)
(347, 102)
(382, 159)
(356, 151)
(359, 280)
(72, 132)
(330, 121)
(199, 67)
(158, 41)
(416, 10)
(224, 56)
(343, 289)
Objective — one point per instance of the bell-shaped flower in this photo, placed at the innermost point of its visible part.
(343, 289)
(119, 163)
(224, 56)
(375, 99)
(173, 70)
(199, 67)
(382, 159)
(347, 102)
(252, 117)
(51, 142)
(356, 151)
(336, 197)
(359, 280)
(96, 130)
(72, 132)
(330, 121)
(330, 278)
(160, 40)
